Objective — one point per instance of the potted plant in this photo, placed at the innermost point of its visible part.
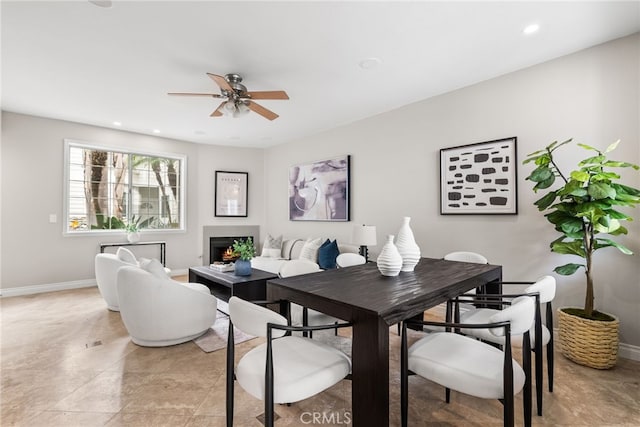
(583, 208)
(133, 232)
(245, 250)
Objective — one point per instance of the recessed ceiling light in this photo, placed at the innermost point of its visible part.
(117, 124)
(530, 29)
(369, 63)
(101, 3)
(156, 131)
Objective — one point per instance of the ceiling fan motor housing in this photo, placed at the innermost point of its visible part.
(234, 81)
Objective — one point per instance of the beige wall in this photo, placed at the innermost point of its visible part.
(34, 251)
(591, 96)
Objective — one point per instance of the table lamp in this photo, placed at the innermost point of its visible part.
(363, 236)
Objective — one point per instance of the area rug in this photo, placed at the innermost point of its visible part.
(216, 337)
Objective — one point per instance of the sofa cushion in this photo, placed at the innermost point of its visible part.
(272, 247)
(125, 255)
(287, 247)
(327, 254)
(309, 251)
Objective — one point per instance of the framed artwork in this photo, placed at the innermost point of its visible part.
(231, 193)
(319, 191)
(479, 179)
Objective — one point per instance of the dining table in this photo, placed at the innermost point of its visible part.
(372, 303)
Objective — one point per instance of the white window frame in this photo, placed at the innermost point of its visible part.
(68, 143)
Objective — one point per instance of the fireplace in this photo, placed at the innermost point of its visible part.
(219, 248)
(225, 231)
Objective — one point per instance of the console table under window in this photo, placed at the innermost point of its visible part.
(163, 248)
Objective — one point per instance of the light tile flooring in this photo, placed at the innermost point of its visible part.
(68, 361)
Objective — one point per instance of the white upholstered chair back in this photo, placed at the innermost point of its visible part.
(252, 319)
(348, 259)
(296, 267)
(464, 256)
(545, 286)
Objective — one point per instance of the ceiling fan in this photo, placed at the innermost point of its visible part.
(238, 100)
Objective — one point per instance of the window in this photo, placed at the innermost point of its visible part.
(109, 190)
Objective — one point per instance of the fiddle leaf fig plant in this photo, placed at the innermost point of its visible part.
(584, 207)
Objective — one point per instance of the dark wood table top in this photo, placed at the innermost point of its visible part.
(229, 278)
(391, 298)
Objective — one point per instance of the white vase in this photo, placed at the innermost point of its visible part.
(389, 261)
(407, 246)
(133, 236)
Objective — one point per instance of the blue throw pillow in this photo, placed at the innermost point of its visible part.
(327, 255)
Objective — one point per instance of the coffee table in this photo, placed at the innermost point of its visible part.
(225, 285)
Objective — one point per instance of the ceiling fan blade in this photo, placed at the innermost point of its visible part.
(218, 111)
(268, 94)
(214, 95)
(267, 114)
(220, 81)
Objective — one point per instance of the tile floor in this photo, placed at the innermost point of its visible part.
(68, 361)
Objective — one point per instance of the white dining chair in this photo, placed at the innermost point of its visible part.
(349, 259)
(544, 291)
(303, 316)
(284, 369)
(470, 366)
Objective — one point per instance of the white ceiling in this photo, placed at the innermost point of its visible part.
(79, 62)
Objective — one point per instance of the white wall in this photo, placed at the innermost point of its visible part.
(34, 251)
(592, 96)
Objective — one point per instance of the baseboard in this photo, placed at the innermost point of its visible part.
(62, 286)
(627, 351)
(47, 287)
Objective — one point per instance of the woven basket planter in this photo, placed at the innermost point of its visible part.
(591, 343)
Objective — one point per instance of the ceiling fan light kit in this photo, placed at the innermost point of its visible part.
(239, 102)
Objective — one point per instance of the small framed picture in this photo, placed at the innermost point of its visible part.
(231, 193)
(479, 179)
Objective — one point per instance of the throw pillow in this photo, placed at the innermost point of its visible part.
(125, 255)
(327, 255)
(310, 250)
(154, 267)
(272, 248)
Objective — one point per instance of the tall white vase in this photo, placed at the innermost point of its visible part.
(407, 246)
(389, 261)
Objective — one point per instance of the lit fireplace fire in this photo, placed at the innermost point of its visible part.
(229, 255)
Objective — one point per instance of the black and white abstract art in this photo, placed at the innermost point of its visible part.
(319, 191)
(479, 178)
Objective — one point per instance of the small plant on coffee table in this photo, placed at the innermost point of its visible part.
(244, 249)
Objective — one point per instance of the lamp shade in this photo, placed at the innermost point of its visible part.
(364, 235)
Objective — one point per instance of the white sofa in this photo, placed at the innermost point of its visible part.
(291, 249)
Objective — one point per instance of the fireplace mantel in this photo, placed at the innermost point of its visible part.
(227, 231)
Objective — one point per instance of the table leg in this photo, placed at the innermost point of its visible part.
(370, 372)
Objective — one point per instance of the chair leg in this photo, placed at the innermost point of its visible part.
(447, 395)
(305, 322)
(526, 393)
(549, 318)
(230, 375)
(539, 376)
(508, 411)
(550, 365)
